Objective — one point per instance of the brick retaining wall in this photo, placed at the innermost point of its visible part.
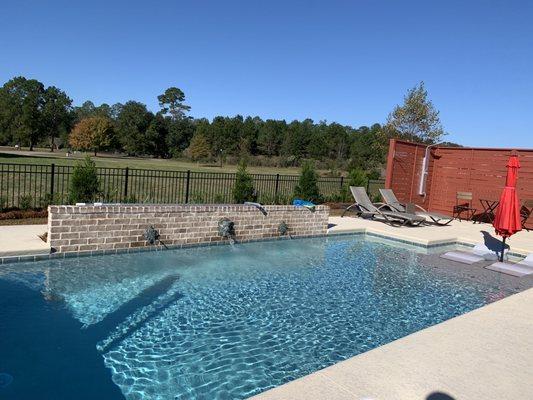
(114, 227)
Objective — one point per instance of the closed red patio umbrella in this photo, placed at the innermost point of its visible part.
(507, 221)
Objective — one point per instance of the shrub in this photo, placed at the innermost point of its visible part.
(373, 174)
(25, 202)
(244, 185)
(84, 185)
(19, 214)
(48, 200)
(3, 203)
(268, 198)
(356, 177)
(280, 199)
(219, 198)
(197, 198)
(307, 187)
(112, 195)
(283, 199)
(131, 199)
(335, 198)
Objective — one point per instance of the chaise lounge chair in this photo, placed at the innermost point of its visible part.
(364, 207)
(394, 204)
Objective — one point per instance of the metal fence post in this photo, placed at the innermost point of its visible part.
(52, 175)
(126, 178)
(187, 186)
(277, 188)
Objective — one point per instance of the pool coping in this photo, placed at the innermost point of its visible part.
(155, 248)
(427, 244)
(345, 232)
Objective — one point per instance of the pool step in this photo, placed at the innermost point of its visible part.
(136, 312)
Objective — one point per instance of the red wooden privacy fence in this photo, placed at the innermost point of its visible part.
(480, 171)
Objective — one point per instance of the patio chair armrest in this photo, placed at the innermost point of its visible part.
(386, 207)
(363, 209)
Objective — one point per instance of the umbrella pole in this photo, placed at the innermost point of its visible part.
(503, 249)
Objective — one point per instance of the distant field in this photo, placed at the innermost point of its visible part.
(27, 180)
(45, 157)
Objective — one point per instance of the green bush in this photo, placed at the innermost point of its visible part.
(283, 199)
(219, 198)
(373, 174)
(48, 200)
(244, 185)
(268, 198)
(111, 195)
(25, 202)
(280, 199)
(131, 199)
(3, 203)
(307, 187)
(376, 197)
(335, 198)
(197, 198)
(84, 185)
(356, 177)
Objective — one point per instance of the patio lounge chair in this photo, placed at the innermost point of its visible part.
(392, 201)
(365, 207)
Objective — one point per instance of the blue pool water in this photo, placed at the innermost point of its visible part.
(212, 322)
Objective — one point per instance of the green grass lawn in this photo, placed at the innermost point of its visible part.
(45, 157)
(29, 183)
(153, 181)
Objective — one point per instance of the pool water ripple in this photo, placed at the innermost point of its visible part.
(242, 320)
(252, 323)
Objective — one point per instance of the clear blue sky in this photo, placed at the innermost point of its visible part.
(344, 61)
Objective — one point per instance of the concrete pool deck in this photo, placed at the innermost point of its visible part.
(16, 240)
(456, 231)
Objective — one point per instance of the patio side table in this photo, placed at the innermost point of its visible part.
(489, 207)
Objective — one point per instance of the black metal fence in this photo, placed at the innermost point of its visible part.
(34, 186)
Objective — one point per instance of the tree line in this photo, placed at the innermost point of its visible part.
(34, 115)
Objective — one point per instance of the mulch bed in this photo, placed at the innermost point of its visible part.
(337, 206)
(23, 214)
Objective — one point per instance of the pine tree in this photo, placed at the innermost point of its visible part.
(417, 119)
(84, 184)
(307, 187)
(244, 185)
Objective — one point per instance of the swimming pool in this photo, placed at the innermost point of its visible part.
(212, 322)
